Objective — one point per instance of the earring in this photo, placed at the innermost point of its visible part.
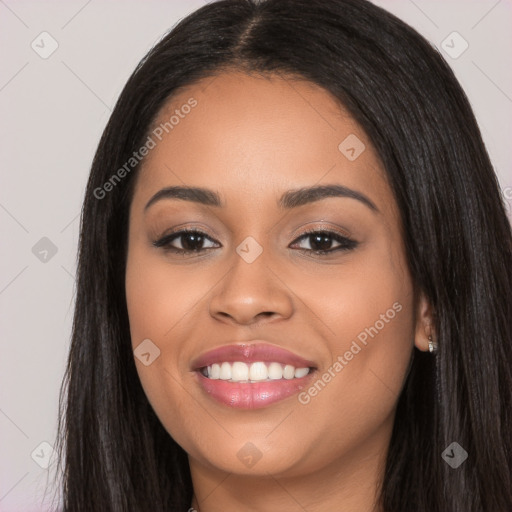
(432, 345)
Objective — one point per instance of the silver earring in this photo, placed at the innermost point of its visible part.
(432, 345)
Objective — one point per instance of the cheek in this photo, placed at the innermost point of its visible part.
(369, 311)
(374, 318)
(361, 312)
(159, 295)
(161, 299)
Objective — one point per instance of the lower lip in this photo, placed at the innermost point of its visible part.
(246, 395)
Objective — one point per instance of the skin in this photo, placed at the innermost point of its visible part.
(250, 139)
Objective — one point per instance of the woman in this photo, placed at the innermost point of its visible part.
(294, 281)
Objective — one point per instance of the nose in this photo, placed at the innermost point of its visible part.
(251, 292)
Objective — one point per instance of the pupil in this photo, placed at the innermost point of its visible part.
(193, 241)
(196, 239)
(322, 242)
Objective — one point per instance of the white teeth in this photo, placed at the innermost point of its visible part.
(289, 372)
(255, 372)
(225, 371)
(258, 371)
(214, 371)
(275, 371)
(239, 371)
(301, 372)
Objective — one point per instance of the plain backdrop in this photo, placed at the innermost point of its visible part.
(53, 111)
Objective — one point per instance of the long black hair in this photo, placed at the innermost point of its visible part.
(116, 455)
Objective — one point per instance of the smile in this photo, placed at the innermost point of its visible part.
(255, 372)
(251, 376)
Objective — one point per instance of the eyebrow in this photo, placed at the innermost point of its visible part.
(290, 199)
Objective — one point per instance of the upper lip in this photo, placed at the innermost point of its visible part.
(250, 352)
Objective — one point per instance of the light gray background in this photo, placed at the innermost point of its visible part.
(53, 112)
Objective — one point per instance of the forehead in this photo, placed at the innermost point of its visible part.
(250, 136)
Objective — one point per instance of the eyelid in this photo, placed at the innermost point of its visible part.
(347, 243)
(161, 241)
(299, 233)
(315, 227)
(187, 227)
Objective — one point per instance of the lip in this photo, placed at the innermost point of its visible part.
(256, 395)
(250, 352)
(244, 395)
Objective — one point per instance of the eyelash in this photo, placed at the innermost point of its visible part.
(347, 244)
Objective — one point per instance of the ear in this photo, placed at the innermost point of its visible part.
(424, 323)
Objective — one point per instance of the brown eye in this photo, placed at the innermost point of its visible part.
(187, 241)
(320, 242)
(192, 241)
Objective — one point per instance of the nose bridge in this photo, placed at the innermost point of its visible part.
(250, 287)
(252, 262)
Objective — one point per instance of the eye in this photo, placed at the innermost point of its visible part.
(188, 241)
(320, 242)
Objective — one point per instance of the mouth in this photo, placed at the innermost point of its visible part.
(251, 376)
(254, 372)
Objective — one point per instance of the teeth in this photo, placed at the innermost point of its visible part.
(289, 372)
(239, 371)
(255, 372)
(258, 371)
(275, 371)
(225, 371)
(301, 372)
(214, 371)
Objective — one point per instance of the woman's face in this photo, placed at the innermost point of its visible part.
(307, 353)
